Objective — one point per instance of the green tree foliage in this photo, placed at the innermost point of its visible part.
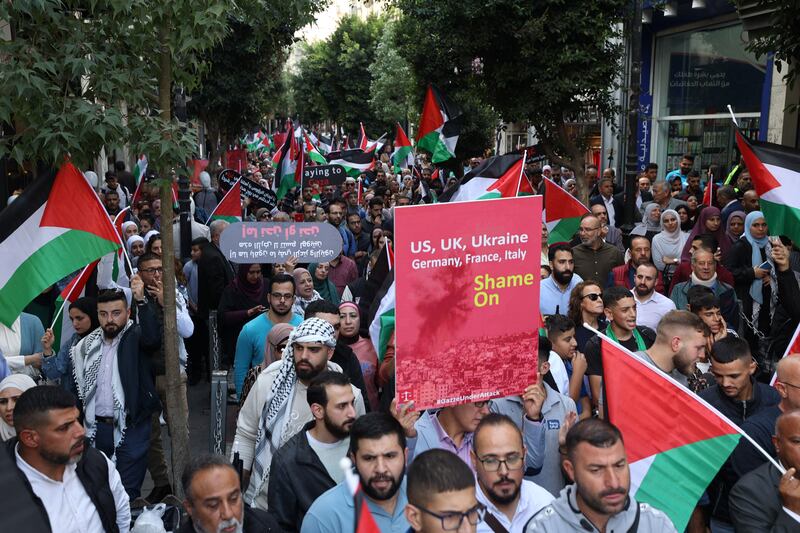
(393, 92)
(81, 74)
(333, 77)
(781, 38)
(539, 62)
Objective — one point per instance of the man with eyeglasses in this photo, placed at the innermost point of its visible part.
(704, 273)
(498, 455)
(599, 499)
(378, 453)
(253, 337)
(594, 258)
(151, 271)
(441, 495)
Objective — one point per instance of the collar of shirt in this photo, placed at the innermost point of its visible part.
(522, 505)
(552, 284)
(113, 343)
(445, 439)
(649, 299)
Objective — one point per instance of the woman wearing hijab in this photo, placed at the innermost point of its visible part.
(57, 367)
(135, 246)
(735, 226)
(241, 301)
(277, 338)
(350, 325)
(651, 221)
(304, 291)
(754, 285)
(709, 222)
(11, 388)
(324, 286)
(129, 229)
(669, 242)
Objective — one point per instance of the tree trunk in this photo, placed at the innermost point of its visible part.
(572, 159)
(177, 418)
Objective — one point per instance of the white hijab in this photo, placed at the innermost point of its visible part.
(671, 243)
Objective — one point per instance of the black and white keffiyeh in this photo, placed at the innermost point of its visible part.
(269, 435)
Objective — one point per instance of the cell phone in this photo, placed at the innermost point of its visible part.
(766, 265)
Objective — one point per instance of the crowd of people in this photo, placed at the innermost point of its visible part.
(701, 292)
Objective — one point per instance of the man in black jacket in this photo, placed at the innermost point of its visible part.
(308, 464)
(214, 271)
(763, 499)
(68, 485)
(119, 397)
(343, 355)
(738, 396)
(213, 500)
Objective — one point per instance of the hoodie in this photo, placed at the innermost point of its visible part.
(563, 516)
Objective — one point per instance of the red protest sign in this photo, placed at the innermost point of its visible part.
(467, 300)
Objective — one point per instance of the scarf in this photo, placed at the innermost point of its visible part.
(251, 291)
(650, 225)
(671, 243)
(325, 287)
(355, 338)
(279, 406)
(131, 240)
(640, 345)
(700, 229)
(705, 283)
(277, 334)
(756, 245)
(87, 356)
(22, 383)
(738, 214)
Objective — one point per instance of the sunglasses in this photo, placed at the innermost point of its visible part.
(593, 296)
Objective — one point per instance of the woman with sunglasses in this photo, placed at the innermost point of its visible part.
(586, 306)
(277, 338)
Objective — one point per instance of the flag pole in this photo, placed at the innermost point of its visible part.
(67, 297)
(521, 172)
(123, 245)
(733, 117)
(672, 380)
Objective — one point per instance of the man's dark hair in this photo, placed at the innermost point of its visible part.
(435, 472)
(281, 278)
(726, 350)
(688, 157)
(494, 420)
(726, 193)
(110, 174)
(700, 298)
(558, 324)
(558, 247)
(321, 306)
(110, 295)
(111, 192)
(693, 174)
(352, 212)
(373, 426)
(707, 241)
(33, 405)
(150, 256)
(544, 348)
(316, 389)
(336, 201)
(650, 166)
(376, 200)
(197, 465)
(120, 166)
(594, 431)
(612, 295)
(635, 237)
(148, 218)
(199, 241)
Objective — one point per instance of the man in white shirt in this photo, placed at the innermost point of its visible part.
(76, 485)
(499, 458)
(650, 305)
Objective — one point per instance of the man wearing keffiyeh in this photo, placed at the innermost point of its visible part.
(276, 408)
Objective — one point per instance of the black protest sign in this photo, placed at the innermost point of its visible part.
(251, 189)
(323, 175)
(275, 242)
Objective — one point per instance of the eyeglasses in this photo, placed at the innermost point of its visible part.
(492, 464)
(480, 405)
(791, 385)
(452, 521)
(593, 296)
(278, 296)
(153, 270)
(587, 230)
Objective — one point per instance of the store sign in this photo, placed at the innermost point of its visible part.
(699, 84)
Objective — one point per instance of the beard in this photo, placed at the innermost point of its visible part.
(111, 330)
(387, 493)
(281, 312)
(308, 372)
(340, 431)
(221, 526)
(642, 290)
(500, 498)
(564, 277)
(596, 502)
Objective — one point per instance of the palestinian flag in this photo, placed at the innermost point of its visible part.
(230, 207)
(55, 227)
(381, 327)
(363, 522)
(376, 146)
(355, 162)
(325, 144)
(286, 167)
(792, 349)
(481, 182)
(512, 183)
(313, 153)
(363, 141)
(402, 157)
(675, 441)
(708, 194)
(439, 126)
(775, 171)
(139, 173)
(562, 213)
(62, 329)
